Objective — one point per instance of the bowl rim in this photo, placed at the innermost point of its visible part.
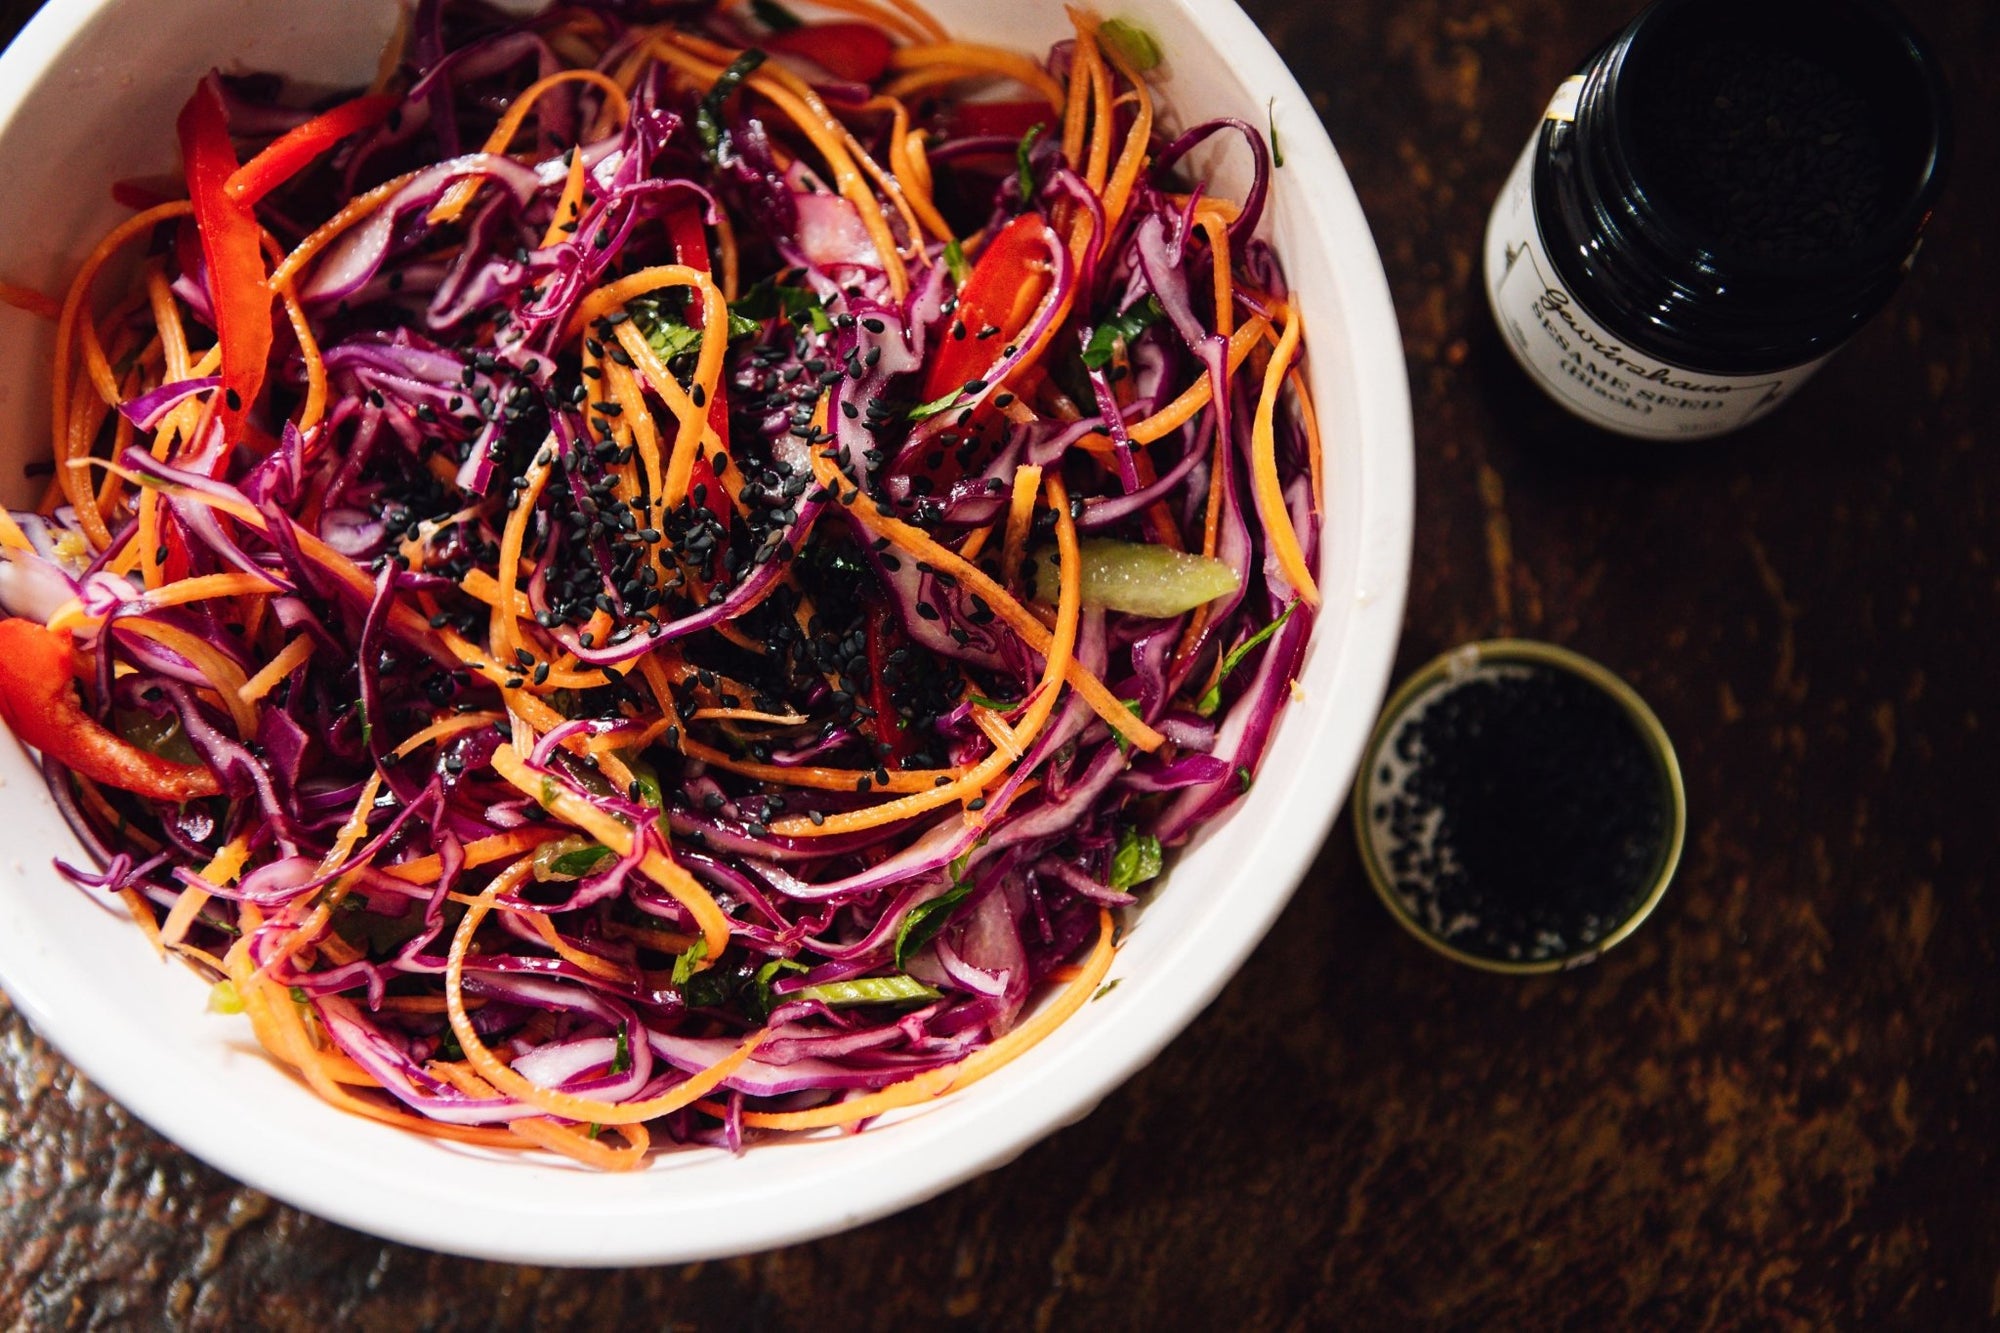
(1023, 1103)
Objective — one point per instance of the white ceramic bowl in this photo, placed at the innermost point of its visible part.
(88, 94)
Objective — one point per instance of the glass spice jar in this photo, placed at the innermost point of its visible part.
(1712, 205)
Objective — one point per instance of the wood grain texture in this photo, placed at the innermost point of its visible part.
(1775, 1106)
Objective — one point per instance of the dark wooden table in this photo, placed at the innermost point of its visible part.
(1778, 1104)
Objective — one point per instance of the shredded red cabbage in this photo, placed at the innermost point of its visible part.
(504, 573)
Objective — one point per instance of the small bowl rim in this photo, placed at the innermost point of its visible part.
(1464, 659)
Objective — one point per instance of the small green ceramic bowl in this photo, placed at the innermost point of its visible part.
(1453, 668)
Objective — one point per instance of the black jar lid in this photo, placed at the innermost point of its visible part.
(1572, 852)
(1642, 260)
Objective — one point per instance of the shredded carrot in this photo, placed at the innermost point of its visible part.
(222, 868)
(661, 869)
(915, 541)
(589, 962)
(1196, 396)
(68, 446)
(224, 675)
(822, 779)
(928, 1087)
(972, 60)
(1020, 515)
(460, 195)
(289, 659)
(503, 1077)
(1264, 468)
(569, 207)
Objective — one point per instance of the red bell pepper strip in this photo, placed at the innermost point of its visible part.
(858, 52)
(1003, 291)
(230, 243)
(38, 700)
(703, 482)
(1006, 120)
(1005, 286)
(888, 725)
(295, 149)
(689, 234)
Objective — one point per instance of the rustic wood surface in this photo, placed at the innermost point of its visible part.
(1777, 1105)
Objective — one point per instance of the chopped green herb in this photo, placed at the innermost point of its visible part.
(621, 1054)
(761, 982)
(1136, 860)
(922, 922)
(1271, 118)
(935, 406)
(769, 299)
(866, 990)
(1118, 739)
(707, 116)
(569, 858)
(1213, 699)
(954, 262)
(1021, 155)
(684, 964)
(1107, 988)
(1122, 327)
(997, 705)
(1132, 42)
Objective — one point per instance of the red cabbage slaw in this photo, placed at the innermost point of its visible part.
(657, 576)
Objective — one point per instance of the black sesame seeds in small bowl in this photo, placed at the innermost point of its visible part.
(1520, 809)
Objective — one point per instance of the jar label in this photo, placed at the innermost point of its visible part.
(1589, 369)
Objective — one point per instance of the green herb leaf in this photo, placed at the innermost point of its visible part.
(621, 1055)
(1106, 988)
(769, 299)
(997, 705)
(1271, 118)
(1136, 860)
(761, 982)
(684, 964)
(954, 262)
(1213, 699)
(707, 116)
(775, 16)
(1132, 42)
(1118, 738)
(922, 922)
(935, 406)
(1122, 327)
(1021, 161)
(575, 864)
(866, 990)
